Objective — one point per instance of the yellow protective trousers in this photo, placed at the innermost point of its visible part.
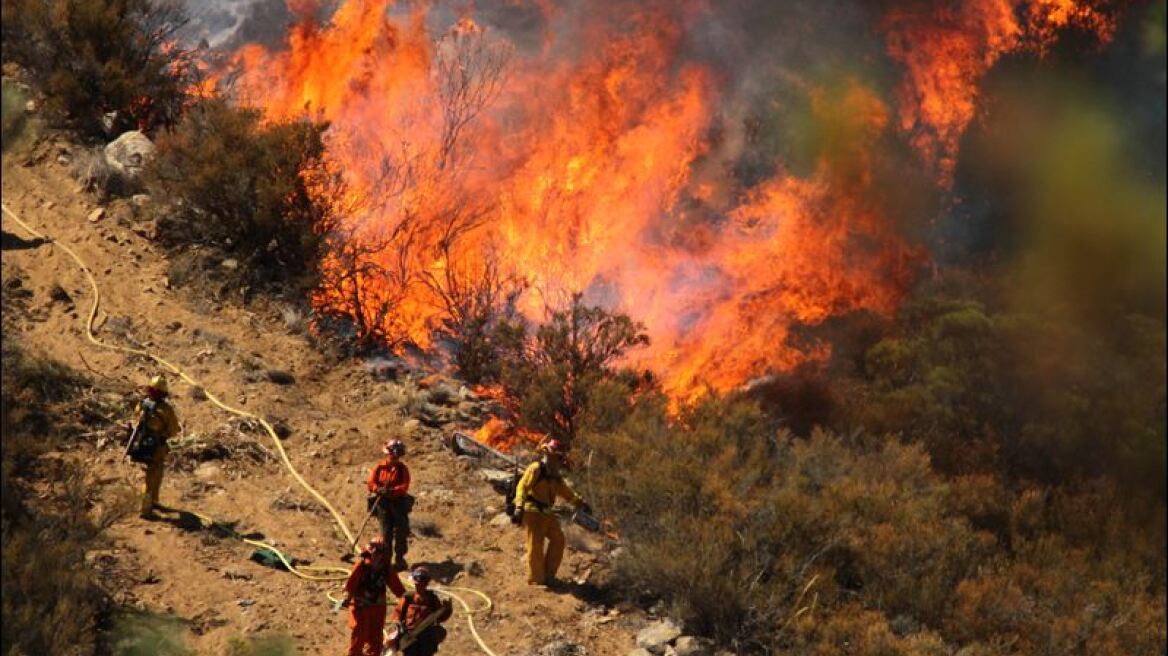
(543, 562)
(154, 470)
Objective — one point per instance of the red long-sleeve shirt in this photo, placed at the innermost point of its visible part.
(366, 585)
(420, 607)
(394, 478)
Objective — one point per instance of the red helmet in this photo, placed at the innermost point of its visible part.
(554, 447)
(396, 447)
(376, 546)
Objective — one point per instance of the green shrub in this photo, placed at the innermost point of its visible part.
(13, 118)
(247, 186)
(94, 58)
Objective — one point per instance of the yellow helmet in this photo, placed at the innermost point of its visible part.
(158, 383)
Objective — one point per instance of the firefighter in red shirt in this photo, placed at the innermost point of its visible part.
(419, 615)
(366, 600)
(389, 485)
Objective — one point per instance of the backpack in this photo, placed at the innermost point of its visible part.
(513, 487)
(146, 442)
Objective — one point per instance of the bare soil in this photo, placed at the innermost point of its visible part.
(338, 413)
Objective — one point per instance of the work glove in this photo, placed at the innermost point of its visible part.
(585, 508)
(517, 517)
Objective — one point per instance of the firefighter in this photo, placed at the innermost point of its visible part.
(419, 616)
(389, 485)
(365, 598)
(155, 422)
(535, 497)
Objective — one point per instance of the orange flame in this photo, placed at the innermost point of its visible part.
(947, 47)
(590, 173)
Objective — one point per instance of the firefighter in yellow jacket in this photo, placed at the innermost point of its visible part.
(535, 497)
(156, 423)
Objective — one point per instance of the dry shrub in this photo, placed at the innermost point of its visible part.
(106, 66)
(846, 544)
(93, 171)
(50, 602)
(242, 186)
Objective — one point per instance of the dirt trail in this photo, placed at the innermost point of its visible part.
(338, 415)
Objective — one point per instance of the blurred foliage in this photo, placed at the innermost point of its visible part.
(145, 634)
(13, 118)
(272, 645)
(97, 57)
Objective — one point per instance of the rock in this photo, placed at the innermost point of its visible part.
(475, 568)
(244, 603)
(500, 520)
(173, 326)
(236, 576)
(689, 646)
(280, 377)
(63, 159)
(231, 264)
(207, 470)
(96, 215)
(129, 153)
(657, 635)
(58, 293)
(495, 477)
(140, 200)
(561, 648)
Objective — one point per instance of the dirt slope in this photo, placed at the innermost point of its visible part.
(338, 415)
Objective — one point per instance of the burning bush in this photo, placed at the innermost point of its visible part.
(253, 188)
(555, 372)
(102, 60)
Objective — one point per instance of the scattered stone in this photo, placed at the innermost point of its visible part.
(657, 635)
(280, 377)
(58, 293)
(231, 264)
(236, 576)
(50, 204)
(689, 646)
(129, 153)
(500, 520)
(173, 326)
(64, 159)
(640, 652)
(207, 470)
(475, 568)
(561, 648)
(496, 477)
(96, 215)
(244, 603)
(140, 200)
(283, 430)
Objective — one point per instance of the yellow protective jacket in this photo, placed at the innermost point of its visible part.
(163, 422)
(537, 491)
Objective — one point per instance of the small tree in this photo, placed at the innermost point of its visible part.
(555, 371)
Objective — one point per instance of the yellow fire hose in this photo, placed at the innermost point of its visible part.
(302, 572)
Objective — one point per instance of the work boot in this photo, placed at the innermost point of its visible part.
(149, 515)
(400, 564)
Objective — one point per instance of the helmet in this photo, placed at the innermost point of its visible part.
(554, 447)
(420, 575)
(396, 447)
(158, 383)
(376, 545)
